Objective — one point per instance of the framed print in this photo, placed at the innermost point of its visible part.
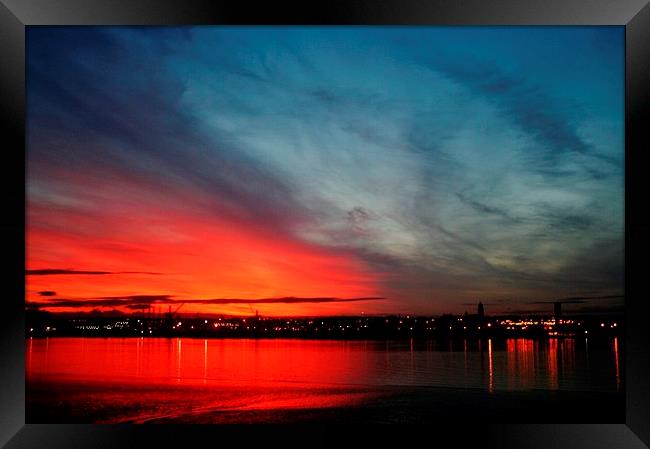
(357, 213)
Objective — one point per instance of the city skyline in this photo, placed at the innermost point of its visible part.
(324, 171)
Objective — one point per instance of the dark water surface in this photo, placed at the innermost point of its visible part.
(238, 380)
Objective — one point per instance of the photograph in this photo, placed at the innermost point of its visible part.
(325, 224)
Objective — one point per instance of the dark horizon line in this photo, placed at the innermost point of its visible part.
(203, 315)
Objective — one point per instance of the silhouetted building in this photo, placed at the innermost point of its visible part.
(481, 311)
(557, 310)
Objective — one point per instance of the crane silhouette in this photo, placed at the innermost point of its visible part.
(255, 312)
(171, 316)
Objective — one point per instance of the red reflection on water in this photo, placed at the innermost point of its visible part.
(232, 374)
(511, 362)
(28, 359)
(490, 369)
(205, 361)
(551, 358)
(158, 378)
(528, 365)
(521, 363)
(194, 361)
(179, 351)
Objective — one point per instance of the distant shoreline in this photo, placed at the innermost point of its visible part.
(397, 327)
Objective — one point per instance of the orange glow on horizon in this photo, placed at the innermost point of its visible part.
(192, 257)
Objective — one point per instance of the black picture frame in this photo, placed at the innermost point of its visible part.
(15, 15)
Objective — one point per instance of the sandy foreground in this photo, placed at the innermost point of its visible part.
(61, 402)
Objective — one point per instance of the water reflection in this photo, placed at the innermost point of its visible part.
(490, 370)
(552, 360)
(465, 356)
(205, 360)
(492, 365)
(618, 372)
(178, 358)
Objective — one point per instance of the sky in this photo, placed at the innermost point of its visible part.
(324, 170)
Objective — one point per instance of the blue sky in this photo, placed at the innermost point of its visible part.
(446, 165)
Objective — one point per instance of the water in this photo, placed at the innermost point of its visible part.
(233, 380)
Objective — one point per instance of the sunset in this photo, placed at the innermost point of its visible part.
(312, 171)
(324, 225)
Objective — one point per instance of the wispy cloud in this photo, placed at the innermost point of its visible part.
(58, 271)
(138, 302)
(578, 299)
(428, 166)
